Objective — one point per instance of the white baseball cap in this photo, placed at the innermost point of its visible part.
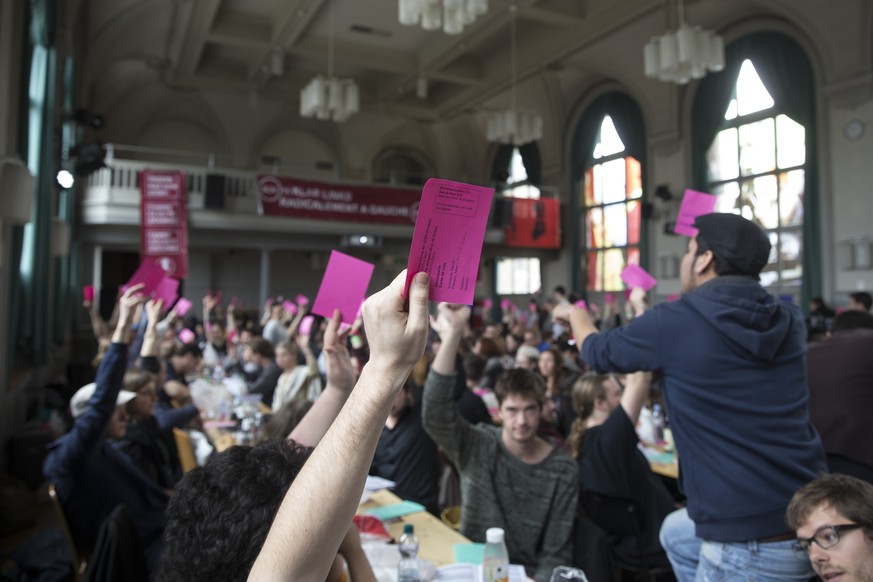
(79, 402)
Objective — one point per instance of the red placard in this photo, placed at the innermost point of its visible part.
(536, 223)
(164, 221)
(282, 196)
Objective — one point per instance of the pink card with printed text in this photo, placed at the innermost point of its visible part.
(447, 243)
(694, 204)
(635, 276)
(343, 286)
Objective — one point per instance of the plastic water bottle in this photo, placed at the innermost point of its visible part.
(495, 560)
(408, 569)
(658, 423)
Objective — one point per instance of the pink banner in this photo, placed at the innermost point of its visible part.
(164, 221)
(283, 196)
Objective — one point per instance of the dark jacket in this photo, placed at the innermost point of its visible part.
(732, 356)
(152, 450)
(92, 477)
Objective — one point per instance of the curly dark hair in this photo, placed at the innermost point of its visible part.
(219, 514)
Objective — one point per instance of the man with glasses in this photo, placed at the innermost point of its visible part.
(833, 518)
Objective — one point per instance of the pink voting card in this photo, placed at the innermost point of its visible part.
(694, 204)
(305, 325)
(505, 304)
(289, 307)
(636, 276)
(182, 306)
(302, 300)
(447, 243)
(149, 274)
(88, 292)
(343, 287)
(168, 290)
(487, 304)
(187, 336)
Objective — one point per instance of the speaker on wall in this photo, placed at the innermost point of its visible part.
(214, 195)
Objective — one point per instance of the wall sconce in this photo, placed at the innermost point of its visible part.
(668, 267)
(855, 254)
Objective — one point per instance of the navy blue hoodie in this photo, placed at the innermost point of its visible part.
(733, 359)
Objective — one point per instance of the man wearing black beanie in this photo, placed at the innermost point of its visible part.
(735, 386)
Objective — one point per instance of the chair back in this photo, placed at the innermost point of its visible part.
(451, 516)
(79, 562)
(616, 515)
(186, 450)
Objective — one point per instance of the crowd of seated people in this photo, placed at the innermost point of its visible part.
(529, 421)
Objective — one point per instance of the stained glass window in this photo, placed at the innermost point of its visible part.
(756, 168)
(612, 192)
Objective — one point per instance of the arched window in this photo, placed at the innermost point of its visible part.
(518, 275)
(613, 189)
(608, 171)
(756, 168)
(753, 141)
(401, 168)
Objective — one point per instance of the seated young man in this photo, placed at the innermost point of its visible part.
(91, 476)
(510, 477)
(833, 519)
(220, 515)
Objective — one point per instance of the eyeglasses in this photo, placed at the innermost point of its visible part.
(826, 537)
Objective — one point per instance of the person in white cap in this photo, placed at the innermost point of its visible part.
(91, 476)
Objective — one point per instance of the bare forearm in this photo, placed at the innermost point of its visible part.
(581, 325)
(635, 393)
(318, 420)
(319, 505)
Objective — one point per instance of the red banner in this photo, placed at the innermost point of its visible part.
(281, 196)
(164, 221)
(536, 223)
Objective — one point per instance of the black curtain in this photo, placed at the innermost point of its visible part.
(628, 121)
(530, 157)
(787, 74)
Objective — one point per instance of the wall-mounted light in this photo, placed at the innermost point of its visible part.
(855, 254)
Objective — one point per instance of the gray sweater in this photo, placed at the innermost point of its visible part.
(534, 504)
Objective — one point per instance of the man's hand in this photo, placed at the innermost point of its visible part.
(153, 308)
(127, 306)
(638, 300)
(340, 370)
(397, 334)
(451, 318)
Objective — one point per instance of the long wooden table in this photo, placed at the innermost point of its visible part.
(436, 538)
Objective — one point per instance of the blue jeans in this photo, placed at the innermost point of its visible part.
(697, 560)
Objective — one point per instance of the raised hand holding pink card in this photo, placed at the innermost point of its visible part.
(694, 204)
(149, 274)
(343, 287)
(448, 237)
(182, 306)
(302, 300)
(88, 293)
(306, 325)
(636, 276)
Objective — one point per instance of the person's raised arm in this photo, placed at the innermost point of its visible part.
(637, 385)
(302, 311)
(580, 321)
(450, 323)
(340, 381)
(318, 507)
(209, 303)
(150, 337)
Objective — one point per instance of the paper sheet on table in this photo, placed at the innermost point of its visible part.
(395, 510)
(635, 276)
(694, 204)
(343, 286)
(375, 483)
(469, 553)
(448, 237)
(149, 274)
(473, 573)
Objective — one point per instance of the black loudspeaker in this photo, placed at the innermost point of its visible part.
(214, 199)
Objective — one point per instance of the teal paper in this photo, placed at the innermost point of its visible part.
(469, 553)
(387, 512)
